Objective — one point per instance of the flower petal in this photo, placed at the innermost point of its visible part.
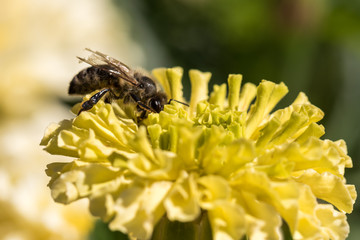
(199, 88)
(268, 95)
(182, 204)
(218, 95)
(139, 207)
(212, 188)
(227, 221)
(77, 180)
(258, 215)
(329, 188)
(234, 82)
(334, 225)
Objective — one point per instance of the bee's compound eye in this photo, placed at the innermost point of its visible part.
(147, 84)
(156, 105)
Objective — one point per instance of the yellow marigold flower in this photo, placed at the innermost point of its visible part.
(239, 165)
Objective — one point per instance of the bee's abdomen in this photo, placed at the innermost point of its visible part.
(89, 80)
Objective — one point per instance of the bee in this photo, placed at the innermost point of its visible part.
(118, 81)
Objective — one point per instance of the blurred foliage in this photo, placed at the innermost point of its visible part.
(312, 46)
(101, 231)
(299, 42)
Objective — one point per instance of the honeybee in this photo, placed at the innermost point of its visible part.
(118, 81)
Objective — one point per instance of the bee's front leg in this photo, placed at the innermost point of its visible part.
(142, 116)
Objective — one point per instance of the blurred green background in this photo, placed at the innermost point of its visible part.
(311, 46)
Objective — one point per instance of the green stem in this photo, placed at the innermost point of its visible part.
(197, 230)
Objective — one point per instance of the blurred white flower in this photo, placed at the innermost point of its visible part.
(40, 40)
(38, 44)
(27, 211)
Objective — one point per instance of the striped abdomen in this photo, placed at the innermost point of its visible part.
(91, 79)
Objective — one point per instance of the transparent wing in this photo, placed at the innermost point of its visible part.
(111, 65)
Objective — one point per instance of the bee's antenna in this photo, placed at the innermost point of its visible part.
(178, 102)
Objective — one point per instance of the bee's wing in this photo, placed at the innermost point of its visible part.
(111, 65)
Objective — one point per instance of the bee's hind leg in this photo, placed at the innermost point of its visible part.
(93, 100)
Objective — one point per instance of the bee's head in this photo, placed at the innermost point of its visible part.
(158, 101)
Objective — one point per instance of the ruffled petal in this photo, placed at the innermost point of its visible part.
(328, 187)
(139, 207)
(182, 203)
(227, 221)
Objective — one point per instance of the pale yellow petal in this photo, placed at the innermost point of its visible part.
(234, 83)
(247, 94)
(227, 221)
(166, 166)
(218, 95)
(199, 88)
(174, 76)
(182, 204)
(268, 95)
(333, 223)
(170, 79)
(80, 180)
(139, 208)
(160, 75)
(235, 156)
(329, 188)
(187, 146)
(51, 140)
(211, 189)
(259, 215)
